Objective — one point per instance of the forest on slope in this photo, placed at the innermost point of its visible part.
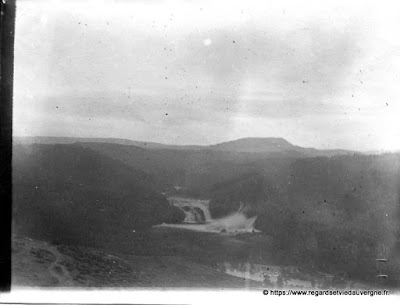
(71, 194)
(339, 214)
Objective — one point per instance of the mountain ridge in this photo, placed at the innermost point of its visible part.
(242, 145)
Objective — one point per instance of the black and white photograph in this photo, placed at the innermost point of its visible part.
(247, 146)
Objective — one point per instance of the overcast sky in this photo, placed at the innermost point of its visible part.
(322, 74)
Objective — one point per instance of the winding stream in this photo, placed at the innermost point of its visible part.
(198, 218)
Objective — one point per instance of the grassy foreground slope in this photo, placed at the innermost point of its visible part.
(41, 264)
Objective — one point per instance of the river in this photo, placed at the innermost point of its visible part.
(198, 218)
(247, 255)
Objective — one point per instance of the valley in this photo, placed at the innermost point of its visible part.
(267, 215)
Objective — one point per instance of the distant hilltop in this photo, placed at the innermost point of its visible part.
(255, 145)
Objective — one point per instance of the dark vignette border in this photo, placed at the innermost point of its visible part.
(7, 26)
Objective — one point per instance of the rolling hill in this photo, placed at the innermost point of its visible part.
(194, 169)
(244, 145)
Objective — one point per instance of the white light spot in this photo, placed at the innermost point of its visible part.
(207, 41)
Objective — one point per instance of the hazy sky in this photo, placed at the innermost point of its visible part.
(322, 74)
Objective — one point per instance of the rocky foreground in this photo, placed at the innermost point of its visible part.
(41, 264)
